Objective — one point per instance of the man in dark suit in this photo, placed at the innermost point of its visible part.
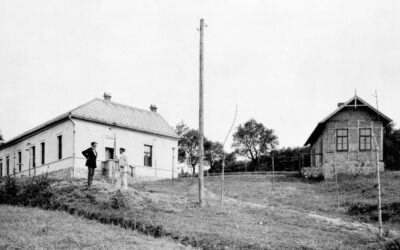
(91, 157)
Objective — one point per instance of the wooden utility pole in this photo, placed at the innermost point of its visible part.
(377, 171)
(273, 172)
(201, 118)
(173, 163)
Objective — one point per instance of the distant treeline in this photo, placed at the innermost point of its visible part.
(286, 159)
(254, 146)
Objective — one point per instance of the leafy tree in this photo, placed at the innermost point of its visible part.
(230, 164)
(287, 159)
(213, 152)
(391, 147)
(181, 129)
(252, 140)
(189, 145)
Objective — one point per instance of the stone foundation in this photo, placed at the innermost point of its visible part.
(354, 168)
(82, 172)
(311, 172)
(62, 174)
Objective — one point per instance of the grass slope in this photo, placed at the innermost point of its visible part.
(254, 216)
(161, 209)
(33, 228)
(357, 195)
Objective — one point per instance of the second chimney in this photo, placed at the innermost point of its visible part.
(153, 108)
(107, 96)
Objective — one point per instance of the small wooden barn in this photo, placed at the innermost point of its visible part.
(349, 140)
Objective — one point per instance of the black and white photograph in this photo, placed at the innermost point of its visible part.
(174, 124)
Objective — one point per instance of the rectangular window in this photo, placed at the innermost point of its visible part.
(20, 161)
(1, 167)
(59, 139)
(342, 140)
(148, 155)
(42, 153)
(33, 156)
(365, 139)
(8, 165)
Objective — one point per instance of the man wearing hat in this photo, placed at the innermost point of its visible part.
(123, 170)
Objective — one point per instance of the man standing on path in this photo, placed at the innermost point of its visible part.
(91, 157)
(123, 170)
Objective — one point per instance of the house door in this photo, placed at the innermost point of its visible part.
(109, 154)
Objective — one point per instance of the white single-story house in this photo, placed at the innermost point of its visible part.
(55, 146)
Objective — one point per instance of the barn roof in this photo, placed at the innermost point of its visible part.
(109, 113)
(354, 102)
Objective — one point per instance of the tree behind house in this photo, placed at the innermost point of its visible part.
(189, 145)
(391, 148)
(253, 140)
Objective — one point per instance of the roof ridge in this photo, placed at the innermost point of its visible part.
(338, 109)
(76, 112)
(127, 106)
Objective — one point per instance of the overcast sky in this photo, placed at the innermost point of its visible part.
(285, 63)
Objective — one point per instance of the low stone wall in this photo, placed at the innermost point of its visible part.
(82, 172)
(62, 174)
(354, 168)
(311, 172)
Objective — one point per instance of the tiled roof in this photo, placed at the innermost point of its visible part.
(120, 115)
(112, 113)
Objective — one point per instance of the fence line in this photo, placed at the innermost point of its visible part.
(247, 173)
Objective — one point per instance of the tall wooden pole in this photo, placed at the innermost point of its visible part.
(377, 170)
(173, 163)
(201, 118)
(273, 172)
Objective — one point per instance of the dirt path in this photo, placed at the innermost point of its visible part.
(346, 225)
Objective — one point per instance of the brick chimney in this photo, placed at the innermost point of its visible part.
(107, 96)
(1, 138)
(340, 104)
(153, 108)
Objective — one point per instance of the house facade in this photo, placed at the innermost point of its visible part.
(349, 140)
(56, 146)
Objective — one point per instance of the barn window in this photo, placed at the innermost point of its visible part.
(148, 155)
(342, 140)
(365, 139)
(8, 165)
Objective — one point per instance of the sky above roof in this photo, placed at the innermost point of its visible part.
(285, 63)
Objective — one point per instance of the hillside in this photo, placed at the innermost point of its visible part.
(33, 228)
(292, 215)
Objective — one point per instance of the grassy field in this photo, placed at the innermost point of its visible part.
(357, 195)
(281, 211)
(253, 217)
(33, 228)
(292, 215)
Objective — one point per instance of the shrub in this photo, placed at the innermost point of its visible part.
(36, 192)
(26, 192)
(118, 200)
(9, 191)
(393, 245)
